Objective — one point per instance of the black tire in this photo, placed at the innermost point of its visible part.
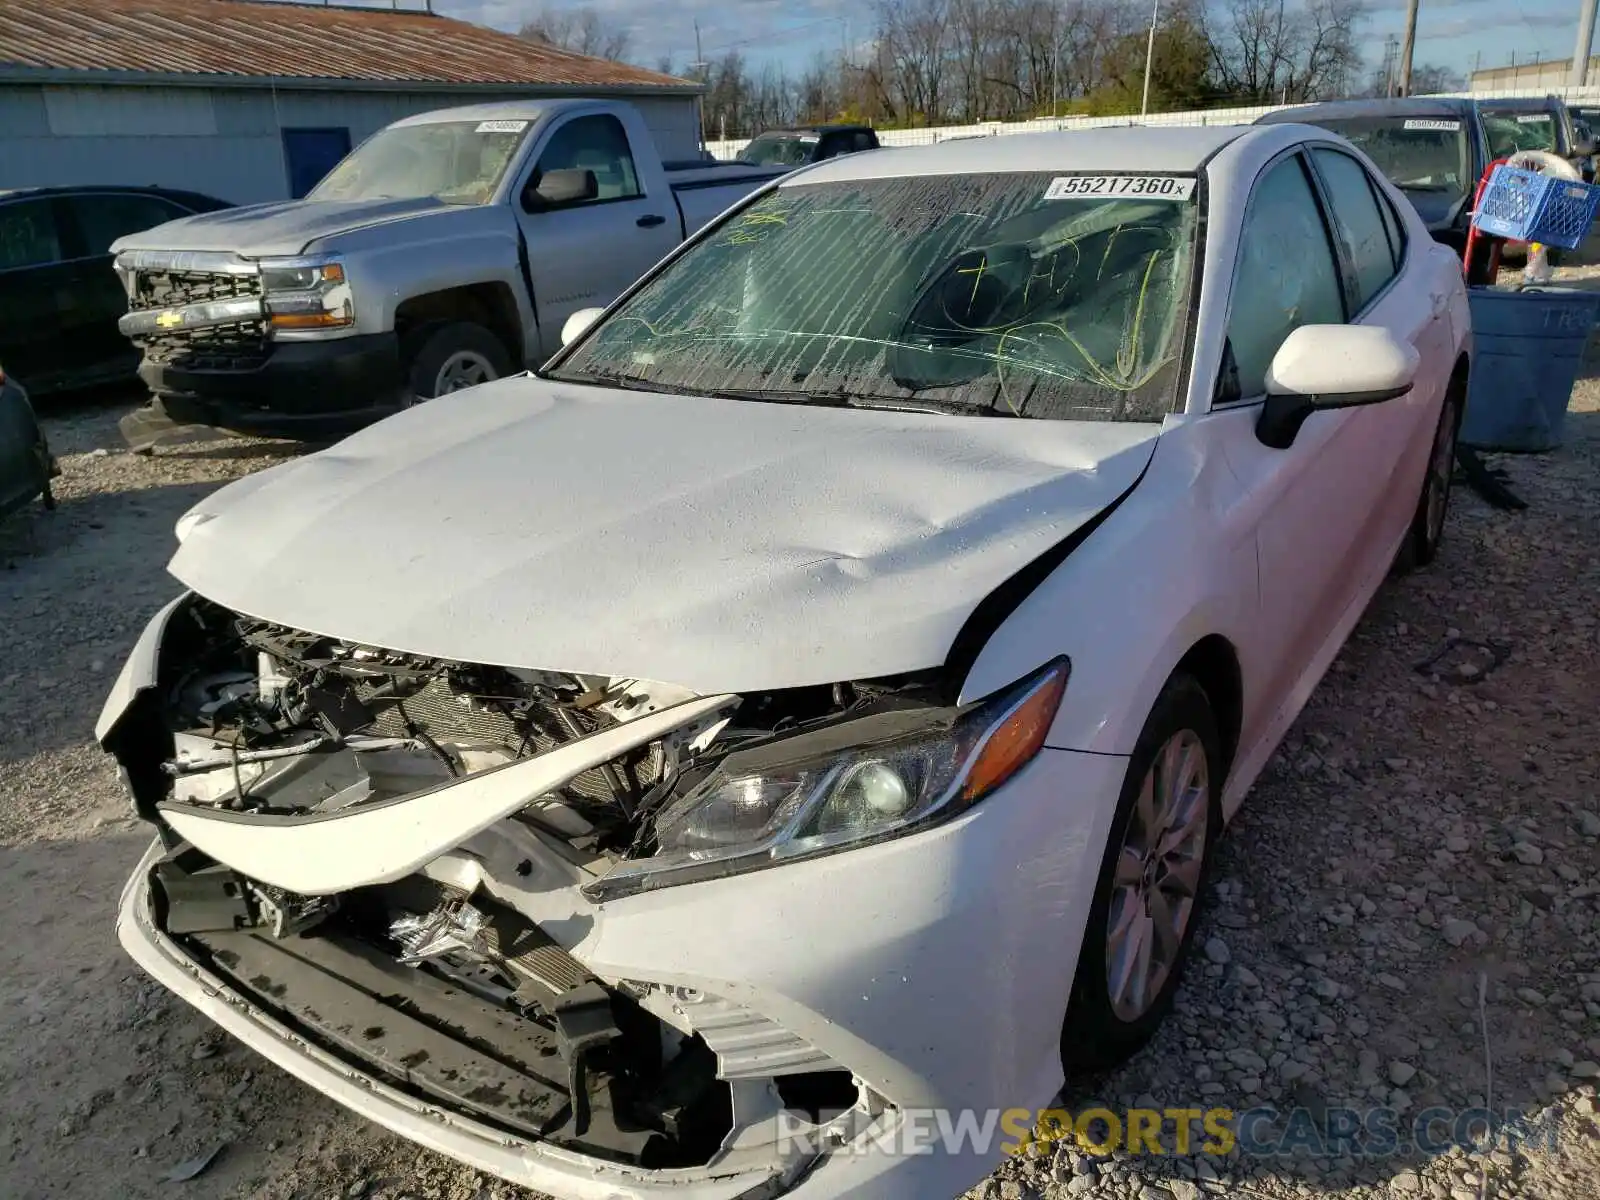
(1094, 1037)
(438, 350)
(1422, 541)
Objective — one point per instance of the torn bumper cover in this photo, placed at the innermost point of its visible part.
(382, 909)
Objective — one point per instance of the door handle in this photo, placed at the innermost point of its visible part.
(1440, 303)
(651, 221)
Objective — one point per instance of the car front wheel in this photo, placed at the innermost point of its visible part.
(450, 358)
(1151, 884)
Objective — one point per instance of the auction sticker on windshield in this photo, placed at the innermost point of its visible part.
(501, 126)
(1441, 126)
(1145, 187)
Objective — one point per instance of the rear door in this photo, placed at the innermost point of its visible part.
(33, 292)
(94, 298)
(583, 254)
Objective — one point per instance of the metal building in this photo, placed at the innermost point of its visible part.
(252, 100)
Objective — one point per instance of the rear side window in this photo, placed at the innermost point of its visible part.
(1356, 215)
(28, 235)
(102, 219)
(1287, 275)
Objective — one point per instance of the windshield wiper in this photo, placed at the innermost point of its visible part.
(821, 399)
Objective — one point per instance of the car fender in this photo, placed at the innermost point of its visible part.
(1165, 570)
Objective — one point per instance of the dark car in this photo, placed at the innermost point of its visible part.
(1535, 123)
(1434, 149)
(26, 465)
(805, 144)
(59, 297)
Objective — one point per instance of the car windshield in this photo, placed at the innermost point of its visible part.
(1511, 132)
(458, 162)
(1420, 154)
(780, 149)
(989, 295)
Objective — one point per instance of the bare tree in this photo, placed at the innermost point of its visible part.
(582, 30)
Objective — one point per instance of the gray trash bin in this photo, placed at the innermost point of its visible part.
(1529, 349)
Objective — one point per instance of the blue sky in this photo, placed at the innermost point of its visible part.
(1450, 33)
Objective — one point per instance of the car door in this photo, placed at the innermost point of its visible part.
(33, 285)
(1314, 502)
(585, 252)
(94, 299)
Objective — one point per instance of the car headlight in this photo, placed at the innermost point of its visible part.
(858, 781)
(306, 294)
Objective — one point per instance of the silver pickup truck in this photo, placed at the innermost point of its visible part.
(447, 250)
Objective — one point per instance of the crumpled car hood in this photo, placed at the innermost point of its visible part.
(282, 227)
(720, 545)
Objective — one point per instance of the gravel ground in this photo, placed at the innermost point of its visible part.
(1419, 836)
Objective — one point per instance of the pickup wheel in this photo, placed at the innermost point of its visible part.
(447, 358)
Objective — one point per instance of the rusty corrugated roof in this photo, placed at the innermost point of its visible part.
(272, 39)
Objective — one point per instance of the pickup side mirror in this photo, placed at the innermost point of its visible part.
(578, 324)
(1583, 141)
(557, 189)
(1332, 366)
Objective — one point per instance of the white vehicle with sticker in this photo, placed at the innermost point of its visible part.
(814, 697)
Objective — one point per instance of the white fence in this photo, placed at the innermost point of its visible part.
(1210, 116)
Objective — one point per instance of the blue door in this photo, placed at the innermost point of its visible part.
(311, 154)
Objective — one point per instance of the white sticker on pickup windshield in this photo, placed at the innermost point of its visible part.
(1533, 118)
(1140, 187)
(501, 126)
(1440, 126)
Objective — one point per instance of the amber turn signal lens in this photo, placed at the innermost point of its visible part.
(1019, 736)
(309, 320)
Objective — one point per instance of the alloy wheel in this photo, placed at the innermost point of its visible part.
(1441, 468)
(463, 369)
(1156, 882)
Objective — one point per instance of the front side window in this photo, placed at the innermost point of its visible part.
(102, 219)
(1287, 275)
(1418, 154)
(965, 294)
(1356, 213)
(457, 162)
(28, 236)
(597, 144)
(1510, 132)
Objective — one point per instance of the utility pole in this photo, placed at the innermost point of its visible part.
(1410, 47)
(1149, 54)
(1391, 50)
(1579, 74)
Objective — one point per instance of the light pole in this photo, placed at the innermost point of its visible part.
(1149, 54)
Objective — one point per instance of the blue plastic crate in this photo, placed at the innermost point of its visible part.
(1528, 207)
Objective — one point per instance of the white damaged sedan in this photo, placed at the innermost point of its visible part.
(812, 699)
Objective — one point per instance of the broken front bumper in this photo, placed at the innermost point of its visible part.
(935, 967)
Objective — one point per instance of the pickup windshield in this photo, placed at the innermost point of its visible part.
(1510, 132)
(458, 162)
(967, 294)
(780, 150)
(1418, 154)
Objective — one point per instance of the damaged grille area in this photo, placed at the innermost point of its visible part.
(272, 720)
(236, 347)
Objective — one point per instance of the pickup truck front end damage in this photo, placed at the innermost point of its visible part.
(508, 913)
(259, 345)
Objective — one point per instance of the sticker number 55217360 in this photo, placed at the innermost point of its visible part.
(1142, 187)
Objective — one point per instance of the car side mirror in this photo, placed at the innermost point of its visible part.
(557, 189)
(578, 324)
(1332, 366)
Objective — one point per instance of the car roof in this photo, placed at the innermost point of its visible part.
(1120, 148)
(1521, 104)
(1407, 106)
